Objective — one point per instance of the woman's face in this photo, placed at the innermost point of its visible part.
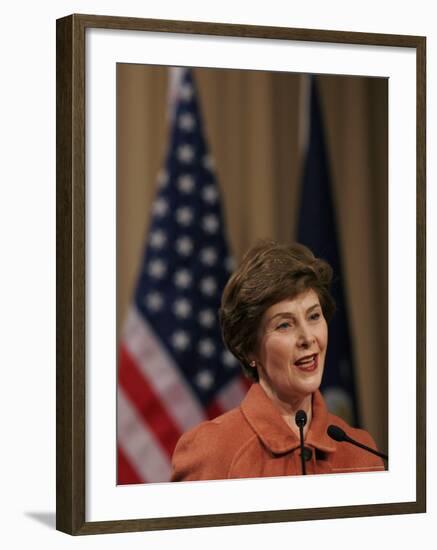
(292, 348)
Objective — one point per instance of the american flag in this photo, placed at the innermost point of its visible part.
(173, 369)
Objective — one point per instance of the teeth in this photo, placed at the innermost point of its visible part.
(308, 361)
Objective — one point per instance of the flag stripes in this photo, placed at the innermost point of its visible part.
(139, 443)
(156, 366)
(147, 403)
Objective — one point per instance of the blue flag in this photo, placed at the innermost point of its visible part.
(317, 229)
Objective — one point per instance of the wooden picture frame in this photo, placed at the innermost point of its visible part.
(71, 273)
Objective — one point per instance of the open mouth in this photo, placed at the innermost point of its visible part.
(308, 363)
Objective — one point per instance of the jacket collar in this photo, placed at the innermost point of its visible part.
(276, 435)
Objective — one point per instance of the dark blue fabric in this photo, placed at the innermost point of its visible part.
(317, 229)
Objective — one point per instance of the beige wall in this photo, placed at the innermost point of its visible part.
(252, 123)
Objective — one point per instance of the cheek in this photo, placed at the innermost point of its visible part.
(278, 349)
(323, 337)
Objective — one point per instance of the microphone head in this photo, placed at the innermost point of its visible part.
(335, 432)
(301, 418)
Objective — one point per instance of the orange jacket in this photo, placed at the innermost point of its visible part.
(253, 440)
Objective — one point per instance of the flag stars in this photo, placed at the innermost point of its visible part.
(186, 183)
(230, 264)
(162, 178)
(182, 278)
(180, 340)
(206, 348)
(208, 256)
(204, 379)
(184, 215)
(208, 162)
(208, 286)
(210, 194)
(184, 246)
(160, 207)
(157, 268)
(158, 239)
(185, 153)
(207, 318)
(186, 92)
(210, 223)
(154, 301)
(228, 359)
(187, 122)
(182, 308)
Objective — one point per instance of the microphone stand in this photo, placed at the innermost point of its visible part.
(336, 433)
(302, 457)
(301, 420)
(369, 449)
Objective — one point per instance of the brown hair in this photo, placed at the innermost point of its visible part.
(269, 273)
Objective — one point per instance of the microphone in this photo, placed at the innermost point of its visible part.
(336, 433)
(301, 419)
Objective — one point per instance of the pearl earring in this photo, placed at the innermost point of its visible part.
(252, 363)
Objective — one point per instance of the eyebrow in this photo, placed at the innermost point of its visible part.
(288, 315)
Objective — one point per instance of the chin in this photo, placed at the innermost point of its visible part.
(312, 385)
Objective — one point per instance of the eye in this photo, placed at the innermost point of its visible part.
(315, 316)
(284, 325)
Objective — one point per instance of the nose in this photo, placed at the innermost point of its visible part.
(305, 338)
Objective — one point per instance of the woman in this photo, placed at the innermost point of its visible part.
(274, 314)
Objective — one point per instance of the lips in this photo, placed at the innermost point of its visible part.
(308, 363)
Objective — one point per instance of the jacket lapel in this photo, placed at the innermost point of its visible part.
(272, 430)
